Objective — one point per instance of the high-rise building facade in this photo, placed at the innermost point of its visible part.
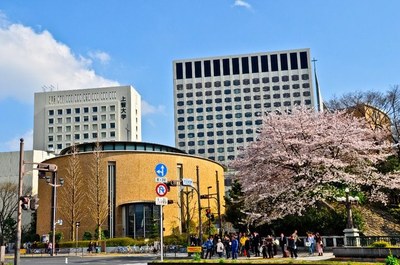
(64, 118)
(219, 101)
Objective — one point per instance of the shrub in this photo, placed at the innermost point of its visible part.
(380, 244)
(87, 236)
(390, 260)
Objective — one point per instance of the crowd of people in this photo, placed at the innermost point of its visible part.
(235, 245)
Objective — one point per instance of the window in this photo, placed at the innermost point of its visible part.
(199, 85)
(77, 110)
(266, 88)
(112, 108)
(50, 138)
(112, 125)
(225, 66)
(77, 119)
(274, 62)
(94, 109)
(188, 69)
(85, 118)
(254, 64)
(207, 84)
(59, 111)
(275, 79)
(197, 69)
(235, 66)
(265, 80)
(207, 68)
(284, 61)
(179, 70)
(68, 111)
(295, 77)
(51, 121)
(245, 65)
(217, 84)
(264, 63)
(293, 61)
(236, 82)
(103, 108)
(189, 86)
(94, 118)
(303, 60)
(217, 67)
(256, 80)
(51, 112)
(306, 85)
(285, 78)
(76, 136)
(85, 136)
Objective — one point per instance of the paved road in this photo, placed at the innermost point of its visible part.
(130, 259)
(98, 260)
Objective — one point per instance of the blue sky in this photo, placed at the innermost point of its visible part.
(82, 44)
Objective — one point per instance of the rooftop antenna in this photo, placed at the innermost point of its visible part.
(320, 107)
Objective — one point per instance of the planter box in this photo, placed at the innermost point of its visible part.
(364, 252)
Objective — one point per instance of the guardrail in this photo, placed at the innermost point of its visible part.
(365, 241)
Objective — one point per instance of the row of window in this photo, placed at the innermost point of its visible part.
(256, 105)
(78, 136)
(85, 127)
(93, 118)
(80, 110)
(219, 141)
(255, 97)
(242, 65)
(219, 158)
(218, 133)
(236, 82)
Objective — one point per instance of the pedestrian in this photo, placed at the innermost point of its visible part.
(247, 247)
(209, 245)
(292, 247)
(227, 246)
(283, 245)
(311, 243)
(220, 248)
(90, 247)
(269, 241)
(320, 244)
(256, 244)
(50, 248)
(235, 247)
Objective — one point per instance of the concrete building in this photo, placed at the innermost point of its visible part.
(9, 173)
(64, 118)
(220, 101)
(128, 171)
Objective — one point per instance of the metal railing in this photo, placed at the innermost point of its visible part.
(365, 241)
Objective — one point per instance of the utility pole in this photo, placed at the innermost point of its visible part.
(199, 206)
(19, 210)
(218, 205)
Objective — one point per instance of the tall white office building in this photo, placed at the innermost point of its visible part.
(64, 118)
(219, 101)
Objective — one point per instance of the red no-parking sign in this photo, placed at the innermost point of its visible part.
(161, 189)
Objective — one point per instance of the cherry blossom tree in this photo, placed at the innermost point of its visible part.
(304, 157)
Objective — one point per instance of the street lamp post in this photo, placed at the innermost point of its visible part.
(208, 205)
(351, 234)
(77, 224)
(54, 206)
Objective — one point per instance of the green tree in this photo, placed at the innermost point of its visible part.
(234, 206)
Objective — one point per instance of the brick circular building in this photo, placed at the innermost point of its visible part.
(121, 177)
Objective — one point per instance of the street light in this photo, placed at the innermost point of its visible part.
(208, 206)
(54, 205)
(350, 233)
(77, 224)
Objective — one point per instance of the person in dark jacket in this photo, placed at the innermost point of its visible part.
(292, 247)
(283, 244)
(209, 246)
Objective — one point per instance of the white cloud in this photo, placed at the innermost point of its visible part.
(13, 144)
(148, 109)
(103, 57)
(242, 3)
(29, 60)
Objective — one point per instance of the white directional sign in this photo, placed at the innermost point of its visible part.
(161, 179)
(187, 182)
(161, 201)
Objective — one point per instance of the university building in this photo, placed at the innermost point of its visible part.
(219, 102)
(65, 118)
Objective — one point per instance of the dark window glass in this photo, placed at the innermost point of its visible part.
(181, 119)
(218, 100)
(199, 110)
(303, 60)
(254, 64)
(220, 133)
(275, 79)
(285, 87)
(217, 69)
(306, 93)
(225, 66)
(227, 92)
(306, 85)
(207, 68)
(209, 109)
(228, 116)
(264, 63)
(228, 107)
(277, 104)
(210, 133)
(219, 108)
(188, 69)
(229, 141)
(181, 128)
(229, 124)
(77, 110)
(274, 62)
(295, 77)
(236, 82)
(267, 105)
(285, 78)
(293, 61)
(227, 83)
(246, 90)
(197, 69)
(190, 118)
(179, 71)
(249, 131)
(200, 134)
(51, 112)
(217, 92)
(265, 80)
(307, 102)
(245, 65)
(284, 61)
(200, 126)
(69, 110)
(220, 141)
(199, 94)
(286, 103)
(304, 77)
(238, 123)
(228, 100)
(235, 66)
(198, 102)
(296, 86)
(258, 122)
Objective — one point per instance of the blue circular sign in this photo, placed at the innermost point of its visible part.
(161, 170)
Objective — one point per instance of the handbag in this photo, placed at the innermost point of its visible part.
(307, 244)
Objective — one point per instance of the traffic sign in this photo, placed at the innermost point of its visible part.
(161, 170)
(187, 182)
(161, 189)
(161, 179)
(161, 201)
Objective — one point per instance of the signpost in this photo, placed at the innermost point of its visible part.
(187, 182)
(161, 190)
